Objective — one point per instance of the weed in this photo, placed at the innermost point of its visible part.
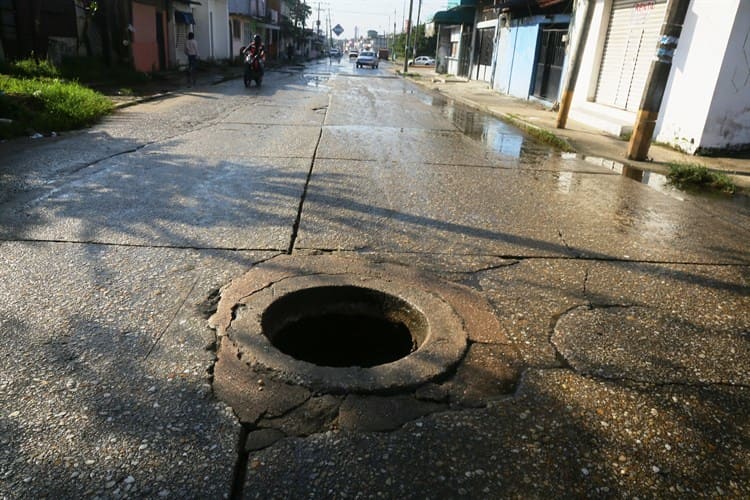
(691, 175)
(543, 135)
(29, 68)
(46, 105)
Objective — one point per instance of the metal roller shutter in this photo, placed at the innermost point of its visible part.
(632, 38)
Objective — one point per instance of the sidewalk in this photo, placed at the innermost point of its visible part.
(584, 140)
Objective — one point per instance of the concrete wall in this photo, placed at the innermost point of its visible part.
(588, 74)
(516, 54)
(691, 90)
(728, 125)
(706, 104)
(212, 28)
(145, 47)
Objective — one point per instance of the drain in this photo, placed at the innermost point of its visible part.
(344, 326)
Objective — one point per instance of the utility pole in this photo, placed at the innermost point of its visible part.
(658, 75)
(317, 23)
(408, 36)
(416, 32)
(393, 45)
(569, 85)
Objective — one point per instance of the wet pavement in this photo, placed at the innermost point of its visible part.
(609, 317)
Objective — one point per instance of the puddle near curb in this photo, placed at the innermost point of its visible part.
(656, 181)
(495, 134)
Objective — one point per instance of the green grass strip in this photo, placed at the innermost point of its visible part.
(541, 134)
(47, 105)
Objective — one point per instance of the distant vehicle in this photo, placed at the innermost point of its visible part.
(353, 54)
(422, 61)
(384, 54)
(367, 58)
(334, 53)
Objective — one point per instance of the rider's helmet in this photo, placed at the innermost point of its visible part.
(257, 39)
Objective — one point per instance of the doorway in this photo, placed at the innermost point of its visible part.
(549, 62)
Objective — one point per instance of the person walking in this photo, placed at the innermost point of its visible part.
(191, 50)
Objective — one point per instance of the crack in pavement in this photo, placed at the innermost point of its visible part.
(171, 320)
(298, 219)
(141, 245)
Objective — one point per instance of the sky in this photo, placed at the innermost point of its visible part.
(375, 15)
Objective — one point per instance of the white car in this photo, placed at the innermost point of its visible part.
(367, 58)
(422, 61)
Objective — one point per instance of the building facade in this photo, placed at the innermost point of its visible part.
(706, 103)
(522, 48)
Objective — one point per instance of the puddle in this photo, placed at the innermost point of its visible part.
(659, 182)
(317, 80)
(490, 131)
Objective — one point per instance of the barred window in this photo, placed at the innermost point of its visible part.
(180, 31)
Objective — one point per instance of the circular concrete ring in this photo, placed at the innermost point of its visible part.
(442, 346)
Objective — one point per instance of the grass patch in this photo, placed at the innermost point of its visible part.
(694, 176)
(29, 68)
(45, 105)
(541, 134)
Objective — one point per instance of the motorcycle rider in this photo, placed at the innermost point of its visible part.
(258, 51)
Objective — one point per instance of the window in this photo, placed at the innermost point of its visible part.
(236, 29)
(180, 31)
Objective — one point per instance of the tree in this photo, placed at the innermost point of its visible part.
(299, 11)
(89, 8)
(113, 18)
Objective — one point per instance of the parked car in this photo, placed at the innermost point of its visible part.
(367, 58)
(353, 54)
(334, 53)
(422, 61)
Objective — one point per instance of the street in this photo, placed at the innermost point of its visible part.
(618, 365)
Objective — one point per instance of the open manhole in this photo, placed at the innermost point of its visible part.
(343, 333)
(344, 326)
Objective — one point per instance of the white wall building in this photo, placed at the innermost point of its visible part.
(212, 28)
(706, 104)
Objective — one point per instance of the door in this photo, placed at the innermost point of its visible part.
(160, 42)
(632, 38)
(464, 56)
(549, 62)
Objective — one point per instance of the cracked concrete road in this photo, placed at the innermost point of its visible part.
(609, 354)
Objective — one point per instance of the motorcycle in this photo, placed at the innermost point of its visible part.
(253, 68)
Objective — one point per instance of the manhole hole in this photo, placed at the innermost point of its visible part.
(345, 332)
(344, 326)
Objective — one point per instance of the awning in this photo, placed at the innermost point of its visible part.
(533, 7)
(456, 15)
(181, 17)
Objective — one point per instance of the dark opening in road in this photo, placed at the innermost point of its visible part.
(344, 326)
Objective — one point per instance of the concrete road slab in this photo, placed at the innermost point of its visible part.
(356, 101)
(528, 296)
(562, 435)
(104, 387)
(170, 199)
(236, 139)
(399, 207)
(386, 145)
(616, 217)
(660, 324)
(274, 112)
